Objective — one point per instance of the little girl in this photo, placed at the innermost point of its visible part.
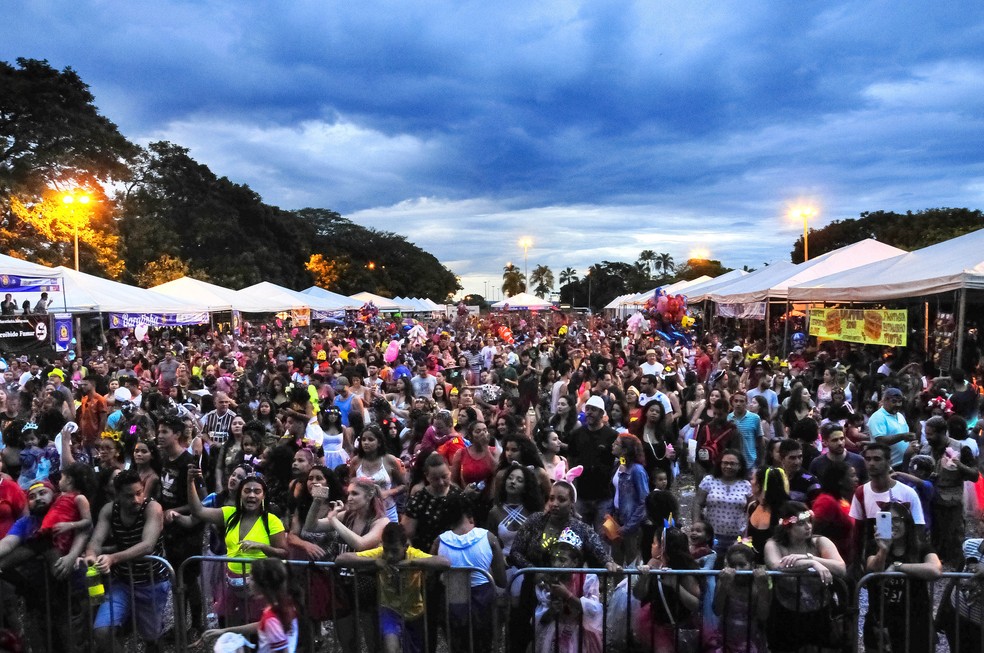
(568, 604)
(70, 511)
(277, 628)
(742, 603)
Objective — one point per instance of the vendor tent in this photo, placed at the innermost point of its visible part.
(955, 264)
(382, 303)
(85, 293)
(216, 298)
(287, 298)
(775, 280)
(342, 301)
(15, 266)
(523, 302)
(696, 289)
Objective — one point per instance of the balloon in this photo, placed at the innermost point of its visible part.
(661, 304)
(392, 351)
(686, 321)
(140, 331)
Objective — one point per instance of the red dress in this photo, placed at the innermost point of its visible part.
(62, 510)
(12, 504)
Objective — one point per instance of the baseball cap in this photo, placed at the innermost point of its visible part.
(595, 402)
(972, 549)
(891, 393)
(122, 394)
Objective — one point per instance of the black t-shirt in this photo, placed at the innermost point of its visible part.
(593, 450)
(174, 481)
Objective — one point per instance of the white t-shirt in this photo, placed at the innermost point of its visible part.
(655, 369)
(900, 492)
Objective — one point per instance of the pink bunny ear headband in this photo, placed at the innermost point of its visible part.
(568, 480)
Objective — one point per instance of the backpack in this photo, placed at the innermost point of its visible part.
(710, 449)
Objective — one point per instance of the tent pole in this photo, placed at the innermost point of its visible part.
(767, 325)
(926, 329)
(961, 316)
(785, 333)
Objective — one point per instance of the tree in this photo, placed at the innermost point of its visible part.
(474, 299)
(648, 259)
(909, 231)
(664, 262)
(568, 275)
(542, 280)
(513, 281)
(166, 268)
(51, 133)
(694, 268)
(326, 272)
(46, 229)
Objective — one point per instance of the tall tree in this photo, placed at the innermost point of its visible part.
(543, 280)
(513, 281)
(664, 262)
(568, 275)
(648, 259)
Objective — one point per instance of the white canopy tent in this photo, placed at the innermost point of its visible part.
(382, 303)
(11, 265)
(85, 293)
(289, 299)
(342, 302)
(216, 298)
(523, 302)
(695, 289)
(955, 264)
(775, 280)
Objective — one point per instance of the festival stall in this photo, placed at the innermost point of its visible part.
(522, 302)
(342, 302)
(952, 266)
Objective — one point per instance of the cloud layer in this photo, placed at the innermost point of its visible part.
(597, 128)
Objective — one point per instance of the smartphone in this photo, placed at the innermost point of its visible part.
(883, 525)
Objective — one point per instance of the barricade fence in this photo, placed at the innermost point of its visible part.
(87, 610)
(546, 610)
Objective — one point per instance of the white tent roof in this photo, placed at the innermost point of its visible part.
(431, 304)
(672, 289)
(696, 289)
(85, 293)
(951, 265)
(523, 301)
(382, 303)
(776, 279)
(619, 301)
(11, 265)
(342, 301)
(216, 298)
(266, 291)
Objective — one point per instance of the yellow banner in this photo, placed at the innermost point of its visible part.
(869, 327)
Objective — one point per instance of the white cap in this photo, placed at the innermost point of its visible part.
(736, 349)
(595, 402)
(122, 394)
(231, 643)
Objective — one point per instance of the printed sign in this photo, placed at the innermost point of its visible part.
(869, 327)
(17, 283)
(30, 335)
(63, 332)
(131, 320)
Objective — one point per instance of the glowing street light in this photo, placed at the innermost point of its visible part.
(71, 200)
(371, 265)
(804, 213)
(700, 253)
(526, 242)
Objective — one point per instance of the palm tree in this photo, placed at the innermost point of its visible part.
(542, 280)
(648, 258)
(568, 275)
(664, 262)
(513, 281)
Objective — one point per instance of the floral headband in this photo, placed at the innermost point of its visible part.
(795, 519)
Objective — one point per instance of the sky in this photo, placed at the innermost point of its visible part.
(597, 129)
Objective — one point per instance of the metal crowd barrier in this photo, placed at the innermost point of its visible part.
(344, 600)
(58, 615)
(626, 623)
(905, 620)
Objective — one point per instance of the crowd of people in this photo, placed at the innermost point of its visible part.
(572, 443)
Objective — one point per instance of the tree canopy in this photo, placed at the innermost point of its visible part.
(908, 231)
(170, 215)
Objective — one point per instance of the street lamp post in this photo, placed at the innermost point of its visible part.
(72, 200)
(526, 242)
(588, 275)
(806, 213)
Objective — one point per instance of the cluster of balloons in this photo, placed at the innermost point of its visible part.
(368, 312)
(671, 308)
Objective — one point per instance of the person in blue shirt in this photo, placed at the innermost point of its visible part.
(889, 426)
(749, 428)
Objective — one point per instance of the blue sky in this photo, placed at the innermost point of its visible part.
(599, 129)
